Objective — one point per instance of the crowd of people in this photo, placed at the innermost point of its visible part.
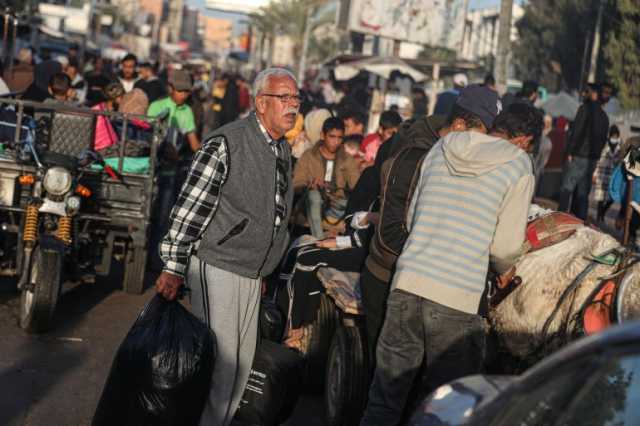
(422, 208)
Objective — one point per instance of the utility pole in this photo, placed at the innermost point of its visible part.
(595, 49)
(504, 45)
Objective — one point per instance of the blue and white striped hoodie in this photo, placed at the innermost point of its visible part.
(470, 207)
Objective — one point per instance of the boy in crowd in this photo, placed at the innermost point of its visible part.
(60, 88)
(354, 122)
(328, 174)
(388, 126)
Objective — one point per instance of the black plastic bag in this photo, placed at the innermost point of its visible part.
(272, 321)
(161, 374)
(275, 382)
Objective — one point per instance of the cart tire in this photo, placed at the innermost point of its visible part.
(347, 380)
(135, 263)
(321, 332)
(38, 301)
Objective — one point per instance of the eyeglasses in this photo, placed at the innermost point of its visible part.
(285, 98)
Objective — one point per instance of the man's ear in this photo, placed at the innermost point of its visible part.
(260, 104)
(49, 90)
(459, 125)
(523, 141)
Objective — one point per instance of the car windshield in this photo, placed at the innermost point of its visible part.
(611, 398)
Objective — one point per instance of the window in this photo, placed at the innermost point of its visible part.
(611, 398)
(543, 402)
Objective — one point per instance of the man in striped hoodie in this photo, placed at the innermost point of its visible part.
(468, 212)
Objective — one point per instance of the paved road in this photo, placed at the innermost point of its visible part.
(56, 378)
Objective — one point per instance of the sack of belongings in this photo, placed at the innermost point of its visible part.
(274, 384)
(161, 374)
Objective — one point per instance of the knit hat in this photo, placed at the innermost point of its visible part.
(313, 123)
(134, 102)
(481, 101)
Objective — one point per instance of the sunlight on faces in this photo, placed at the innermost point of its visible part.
(276, 115)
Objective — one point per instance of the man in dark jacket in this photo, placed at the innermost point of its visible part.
(473, 104)
(590, 131)
(149, 83)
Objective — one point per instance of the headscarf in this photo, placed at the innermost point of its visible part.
(113, 90)
(313, 123)
(134, 102)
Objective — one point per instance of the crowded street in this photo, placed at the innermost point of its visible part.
(320, 213)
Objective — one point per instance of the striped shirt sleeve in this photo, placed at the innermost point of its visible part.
(196, 204)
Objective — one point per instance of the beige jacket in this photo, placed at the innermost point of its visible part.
(312, 165)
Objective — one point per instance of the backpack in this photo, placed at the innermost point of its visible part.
(398, 185)
(400, 175)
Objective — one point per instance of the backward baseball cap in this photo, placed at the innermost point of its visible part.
(482, 102)
(180, 80)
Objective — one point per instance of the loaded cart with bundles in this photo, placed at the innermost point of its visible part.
(67, 210)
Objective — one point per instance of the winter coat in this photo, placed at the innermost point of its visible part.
(312, 166)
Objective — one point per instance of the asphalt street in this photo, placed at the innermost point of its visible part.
(57, 378)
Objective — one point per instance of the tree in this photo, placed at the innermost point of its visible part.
(622, 52)
(555, 31)
(288, 17)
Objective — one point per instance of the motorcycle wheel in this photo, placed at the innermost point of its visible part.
(347, 379)
(38, 299)
(134, 268)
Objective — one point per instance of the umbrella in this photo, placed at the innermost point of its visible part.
(381, 66)
(561, 104)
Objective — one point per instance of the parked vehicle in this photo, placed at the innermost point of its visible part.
(594, 381)
(64, 211)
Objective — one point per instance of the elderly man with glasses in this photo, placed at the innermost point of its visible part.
(229, 229)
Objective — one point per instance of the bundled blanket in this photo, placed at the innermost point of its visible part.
(546, 273)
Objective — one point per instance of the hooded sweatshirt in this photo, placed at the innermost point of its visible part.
(469, 208)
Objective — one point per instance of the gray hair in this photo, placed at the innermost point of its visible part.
(261, 79)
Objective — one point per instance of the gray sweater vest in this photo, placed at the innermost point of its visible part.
(240, 237)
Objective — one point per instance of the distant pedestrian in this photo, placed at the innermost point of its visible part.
(128, 75)
(609, 159)
(97, 81)
(446, 100)
(588, 138)
(78, 84)
(388, 126)
(150, 83)
(355, 122)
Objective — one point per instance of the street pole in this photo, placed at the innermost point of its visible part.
(595, 49)
(302, 65)
(504, 45)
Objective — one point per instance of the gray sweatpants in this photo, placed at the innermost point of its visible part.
(230, 305)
